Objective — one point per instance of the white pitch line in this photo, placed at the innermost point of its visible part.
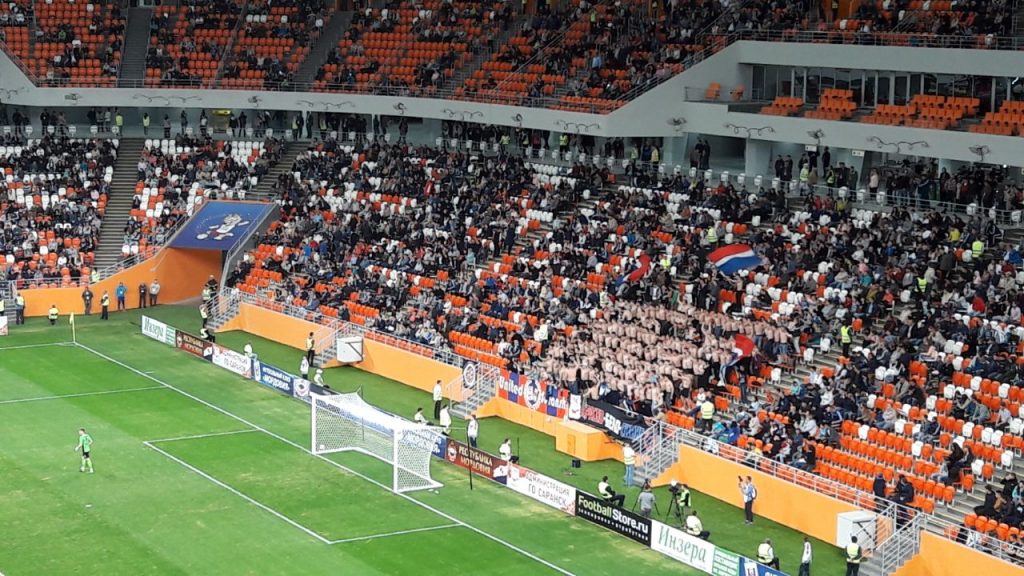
(79, 395)
(43, 345)
(423, 505)
(198, 436)
(248, 499)
(398, 533)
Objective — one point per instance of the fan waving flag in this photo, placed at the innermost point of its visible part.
(645, 265)
(743, 347)
(734, 257)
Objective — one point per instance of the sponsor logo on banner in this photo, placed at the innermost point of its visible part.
(301, 389)
(230, 360)
(469, 374)
(616, 421)
(533, 394)
(440, 447)
(193, 345)
(683, 547)
(752, 568)
(624, 522)
(3, 325)
(725, 563)
(158, 331)
(543, 489)
(477, 460)
(273, 377)
(536, 395)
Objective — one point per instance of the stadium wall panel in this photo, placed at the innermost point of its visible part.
(943, 557)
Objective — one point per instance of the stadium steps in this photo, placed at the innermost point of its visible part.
(485, 388)
(464, 73)
(119, 204)
(334, 30)
(136, 44)
(264, 189)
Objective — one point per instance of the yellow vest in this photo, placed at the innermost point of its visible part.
(707, 410)
(844, 334)
(954, 235)
(53, 313)
(922, 284)
(853, 554)
(19, 301)
(309, 343)
(105, 300)
(765, 554)
(977, 248)
(712, 235)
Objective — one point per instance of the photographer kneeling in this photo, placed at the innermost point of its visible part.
(694, 527)
(609, 495)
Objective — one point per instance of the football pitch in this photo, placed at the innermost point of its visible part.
(199, 471)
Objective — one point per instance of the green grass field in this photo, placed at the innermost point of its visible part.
(199, 471)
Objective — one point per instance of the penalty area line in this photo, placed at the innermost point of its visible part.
(79, 395)
(396, 533)
(198, 436)
(387, 488)
(236, 492)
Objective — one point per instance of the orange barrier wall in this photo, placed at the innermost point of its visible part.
(943, 557)
(577, 440)
(786, 503)
(181, 274)
(387, 361)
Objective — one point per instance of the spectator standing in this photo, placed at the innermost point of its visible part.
(473, 430)
(145, 123)
(154, 292)
(445, 420)
(629, 459)
(167, 126)
(121, 292)
(437, 400)
(749, 492)
(87, 300)
(805, 558)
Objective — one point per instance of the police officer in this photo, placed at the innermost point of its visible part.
(105, 306)
(854, 556)
(19, 309)
(87, 300)
(53, 314)
(846, 337)
(310, 348)
(766, 554)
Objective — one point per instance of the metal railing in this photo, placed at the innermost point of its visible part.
(892, 519)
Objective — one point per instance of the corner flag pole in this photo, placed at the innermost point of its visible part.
(74, 339)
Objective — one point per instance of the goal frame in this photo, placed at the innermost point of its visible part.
(399, 427)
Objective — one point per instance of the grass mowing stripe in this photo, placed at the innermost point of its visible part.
(198, 436)
(396, 533)
(445, 515)
(80, 395)
(248, 499)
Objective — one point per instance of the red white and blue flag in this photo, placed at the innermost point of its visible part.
(735, 257)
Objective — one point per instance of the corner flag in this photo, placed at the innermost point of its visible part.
(71, 319)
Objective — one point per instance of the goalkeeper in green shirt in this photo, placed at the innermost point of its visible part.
(85, 447)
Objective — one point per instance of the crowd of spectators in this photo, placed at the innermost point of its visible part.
(52, 200)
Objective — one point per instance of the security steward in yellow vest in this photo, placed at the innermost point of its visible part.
(766, 554)
(921, 287)
(712, 236)
(977, 248)
(854, 556)
(707, 414)
(105, 306)
(53, 314)
(846, 338)
(310, 349)
(19, 309)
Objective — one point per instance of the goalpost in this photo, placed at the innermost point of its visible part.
(346, 422)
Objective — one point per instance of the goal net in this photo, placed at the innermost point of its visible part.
(346, 422)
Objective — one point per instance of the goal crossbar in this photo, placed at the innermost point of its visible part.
(347, 423)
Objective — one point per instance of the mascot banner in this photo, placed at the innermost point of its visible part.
(219, 225)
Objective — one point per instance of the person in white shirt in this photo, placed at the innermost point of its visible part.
(419, 418)
(505, 451)
(473, 430)
(694, 526)
(248, 351)
(604, 490)
(766, 554)
(304, 368)
(446, 420)
(318, 379)
(805, 559)
(437, 400)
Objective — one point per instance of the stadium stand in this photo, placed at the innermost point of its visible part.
(55, 191)
(188, 42)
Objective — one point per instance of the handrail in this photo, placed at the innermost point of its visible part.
(1007, 551)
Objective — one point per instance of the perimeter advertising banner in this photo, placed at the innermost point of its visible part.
(534, 394)
(596, 510)
(477, 460)
(687, 549)
(752, 568)
(542, 489)
(233, 361)
(158, 331)
(194, 345)
(272, 377)
(3, 325)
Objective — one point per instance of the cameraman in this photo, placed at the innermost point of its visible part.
(681, 495)
(609, 495)
(646, 500)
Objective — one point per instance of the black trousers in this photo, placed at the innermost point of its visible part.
(805, 570)
(852, 569)
(152, 299)
(748, 510)
(19, 316)
(105, 313)
(437, 409)
(310, 356)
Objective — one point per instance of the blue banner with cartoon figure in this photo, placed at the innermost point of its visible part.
(220, 225)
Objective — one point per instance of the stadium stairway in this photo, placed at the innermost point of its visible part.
(119, 205)
(264, 190)
(465, 72)
(136, 44)
(334, 30)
